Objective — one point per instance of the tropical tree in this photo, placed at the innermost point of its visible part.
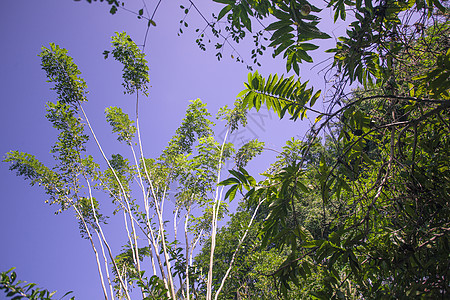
(138, 186)
(364, 214)
(387, 188)
(248, 268)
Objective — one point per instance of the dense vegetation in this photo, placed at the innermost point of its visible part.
(359, 209)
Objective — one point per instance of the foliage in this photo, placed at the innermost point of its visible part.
(247, 152)
(253, 274)
(280, 94)
(115, 4)
(359, 209)
(135, 69)
(61, 70)
(121, 124)
(295, 24)
(386, 224)
(186, 172)
(20, 289)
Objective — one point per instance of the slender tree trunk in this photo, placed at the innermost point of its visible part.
(99, 268)
(237, 249)
(216, 208)
(103, 236)
(159, 214)
(106, 264)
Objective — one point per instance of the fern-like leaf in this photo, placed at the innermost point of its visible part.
(279, 94)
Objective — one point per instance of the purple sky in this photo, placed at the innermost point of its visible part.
(47, 249)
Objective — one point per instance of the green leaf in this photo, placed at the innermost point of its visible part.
(278, 25)
(312, 244)
(283, 46)
(281, 32)
(113, 10)
(229, 181)
(224, 11)
(231, 193)
(308, 46)
(246, 20)
(225, 1)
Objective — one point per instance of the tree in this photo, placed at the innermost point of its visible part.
(380, 179)
(191, 164)
(20, 290)
(389, 233)
(248, 267)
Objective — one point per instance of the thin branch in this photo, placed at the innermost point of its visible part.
(216, 208)
(237, 249)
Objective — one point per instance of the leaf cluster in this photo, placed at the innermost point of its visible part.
(17, 289)
(135, 69)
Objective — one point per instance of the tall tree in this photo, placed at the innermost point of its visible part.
(381, 226)
(138, 186)
(387, 186)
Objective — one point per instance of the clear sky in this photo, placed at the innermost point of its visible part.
(47, 249)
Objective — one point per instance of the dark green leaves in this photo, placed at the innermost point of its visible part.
(240, 180)
(293, 28)
(114, 4)
(224, 11)
(437, 80)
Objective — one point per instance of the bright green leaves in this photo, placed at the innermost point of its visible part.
(192, 161)
(121, 124)
(17, 289)
(122, 170)
(194, 124)
(71, 90)
(88, 208)
(125, 263)
(62, 182)
(197, 174)
(234, 116)
(247, 152)
(28, 166)
(279, 94)
(135, 69)
(71, 140)
(31, 168)
(61, 70)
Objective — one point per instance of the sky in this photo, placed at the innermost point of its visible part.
(46, 248)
